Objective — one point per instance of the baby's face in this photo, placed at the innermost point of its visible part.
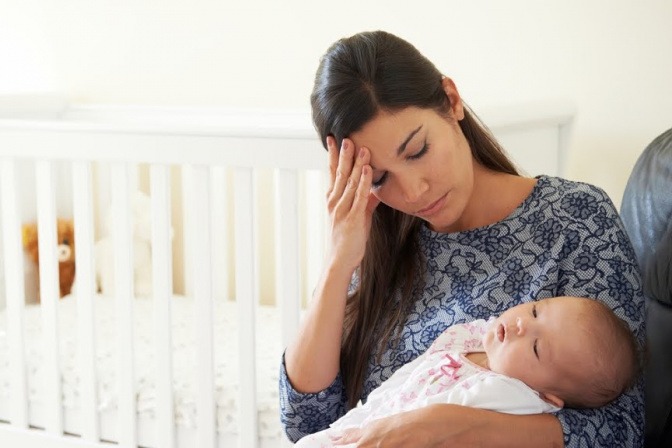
(540, 343)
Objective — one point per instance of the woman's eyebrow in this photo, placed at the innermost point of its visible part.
(402, 147)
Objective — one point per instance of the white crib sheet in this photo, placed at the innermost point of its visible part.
(184, 362)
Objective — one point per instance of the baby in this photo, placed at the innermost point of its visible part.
(536, 357)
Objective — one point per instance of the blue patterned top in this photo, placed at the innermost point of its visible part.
(565, 239)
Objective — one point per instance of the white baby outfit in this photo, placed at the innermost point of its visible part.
(440, 375)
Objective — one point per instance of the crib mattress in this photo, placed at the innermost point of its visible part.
(184, 362)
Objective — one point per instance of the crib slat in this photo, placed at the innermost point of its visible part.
(198, 179)
(246, 301)
(15, 295)
(188, 226)
(123, 288)
(219, 204)
(83, 214)
(316, 224)
(287, 252)
(162, 274)
(49, 293)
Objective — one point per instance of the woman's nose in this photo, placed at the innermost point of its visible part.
(412, 189)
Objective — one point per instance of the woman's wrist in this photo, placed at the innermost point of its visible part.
(336, 277)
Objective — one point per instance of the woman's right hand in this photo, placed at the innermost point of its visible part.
(350, 202)
(313, 359)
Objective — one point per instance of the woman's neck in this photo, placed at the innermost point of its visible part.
(495, 196)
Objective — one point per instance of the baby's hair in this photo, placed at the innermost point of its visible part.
(616, 362)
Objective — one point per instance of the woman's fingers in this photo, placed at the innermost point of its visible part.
(333, 161)
(348, 202)
(342, 172)
(358, 183)
(364, 201)
(345, 168)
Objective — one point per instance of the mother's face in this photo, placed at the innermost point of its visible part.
(422, 164)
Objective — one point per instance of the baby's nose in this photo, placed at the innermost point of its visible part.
(521, 326)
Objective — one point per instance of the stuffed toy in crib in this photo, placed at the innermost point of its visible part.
(66, 251)
(142, 250)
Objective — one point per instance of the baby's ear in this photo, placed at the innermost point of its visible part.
(552, 399)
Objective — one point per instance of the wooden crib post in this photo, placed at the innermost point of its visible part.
(197, 179)
(315, 224)
(220, 210)
(85, 293)
(15, 288)
(288, 278)
(162, 275)
(49, 292)
(123, 297)
(246, 300)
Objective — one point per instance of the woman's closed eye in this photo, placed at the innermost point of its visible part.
(420, 153)
(381, 180)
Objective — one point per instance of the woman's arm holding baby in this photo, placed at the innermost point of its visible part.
(446, 425)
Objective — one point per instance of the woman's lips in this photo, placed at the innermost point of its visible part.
(432, 208)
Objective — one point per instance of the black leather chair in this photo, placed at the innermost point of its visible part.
(647, 214)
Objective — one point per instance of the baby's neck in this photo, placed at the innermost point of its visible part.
(479, 358)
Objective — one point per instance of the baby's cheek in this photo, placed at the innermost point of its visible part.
(502, 364)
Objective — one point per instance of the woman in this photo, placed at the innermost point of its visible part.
(432, 226)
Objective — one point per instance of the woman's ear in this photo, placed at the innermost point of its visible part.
(552, 399)
(456, 106)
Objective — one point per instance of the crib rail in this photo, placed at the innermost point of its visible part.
(243, 139)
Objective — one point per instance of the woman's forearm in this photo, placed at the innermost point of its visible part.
(495, 429)
(534, 431)
(312, 360)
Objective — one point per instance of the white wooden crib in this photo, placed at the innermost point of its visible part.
(90, 370)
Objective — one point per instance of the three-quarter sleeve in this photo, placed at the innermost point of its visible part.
(302, 414)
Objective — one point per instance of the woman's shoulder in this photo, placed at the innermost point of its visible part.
(564, 187)
(573, 197)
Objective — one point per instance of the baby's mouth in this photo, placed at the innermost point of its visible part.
(501, 332)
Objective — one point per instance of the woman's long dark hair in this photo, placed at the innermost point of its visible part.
(358, 77)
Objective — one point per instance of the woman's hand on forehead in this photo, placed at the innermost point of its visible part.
(349, 201)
